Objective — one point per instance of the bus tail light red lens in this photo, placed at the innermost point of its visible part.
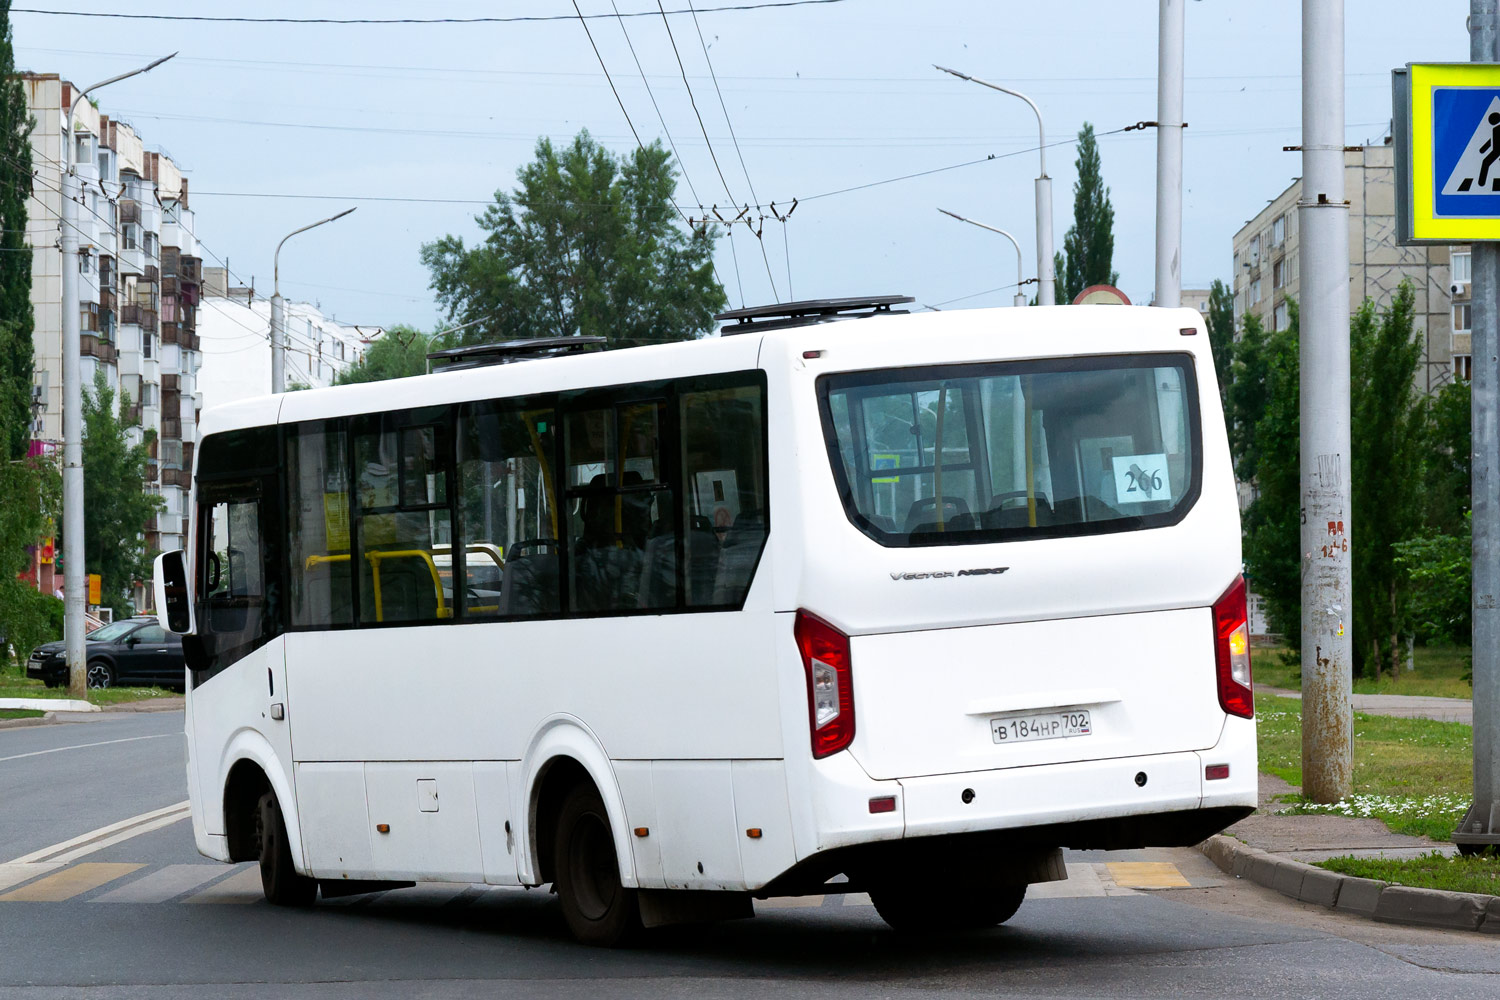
(830, 683)
(1232, 651)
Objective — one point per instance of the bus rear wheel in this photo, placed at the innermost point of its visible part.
(931, 909)
(280, 881)
(599, 910)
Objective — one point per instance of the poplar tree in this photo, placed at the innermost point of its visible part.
(1087, 256)
(15, 255)
(1220, 323)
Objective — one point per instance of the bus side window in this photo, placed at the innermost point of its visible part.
(507, 511)
(401, 465)
(317, 474)
(724, 502)
(622, 540)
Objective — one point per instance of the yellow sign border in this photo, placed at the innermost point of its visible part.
(1425, 225)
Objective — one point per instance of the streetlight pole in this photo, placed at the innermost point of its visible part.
(75, 598)
(1169, 155)
(1327, 529)
(1020, 299)
(1044, 271)
(278, 306)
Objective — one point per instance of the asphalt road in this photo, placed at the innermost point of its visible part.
(148, 917)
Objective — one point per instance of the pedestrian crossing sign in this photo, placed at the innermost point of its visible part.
(1451, 183)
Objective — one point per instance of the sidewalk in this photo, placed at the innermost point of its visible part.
(1405, 706)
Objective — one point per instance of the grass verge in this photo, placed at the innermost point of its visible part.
(1439, 673)
(19, 713)
(1413, 774)
(12, 686)
(1431, 871)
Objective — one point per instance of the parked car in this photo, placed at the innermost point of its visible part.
(132, 651)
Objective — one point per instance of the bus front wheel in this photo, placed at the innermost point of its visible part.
(599, 910)
(928, 909)
(282, 885)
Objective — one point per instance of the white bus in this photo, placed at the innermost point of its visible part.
(917, 600)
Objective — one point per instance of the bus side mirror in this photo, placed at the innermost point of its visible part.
(174, 605)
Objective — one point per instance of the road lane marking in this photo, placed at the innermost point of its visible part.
(124, 825)
(15, 874)
(85, 746)
(1147, 875)
(242, 887)
(69, 882)
(122, 836)
(162, 884)
(789, 903)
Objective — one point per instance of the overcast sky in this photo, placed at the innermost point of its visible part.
(821, 98)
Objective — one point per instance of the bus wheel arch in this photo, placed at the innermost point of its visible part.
(563, 755)
(251, 769)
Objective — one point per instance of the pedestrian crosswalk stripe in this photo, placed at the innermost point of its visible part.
(1147, 875)
(15, 874)
(69, 882)
(162, 884)
(241, 887)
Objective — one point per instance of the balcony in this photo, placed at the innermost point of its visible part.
(176, 477)
(171, 383)
(92, 346)
(151, 472)
(169, 287)
(139, 316)
(171, 427)
(152, 275)
(171, 333)
(130, 211)
(190, 270)
(108, 301)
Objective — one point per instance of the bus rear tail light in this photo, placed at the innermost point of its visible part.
(830, 683)
(1232, 651)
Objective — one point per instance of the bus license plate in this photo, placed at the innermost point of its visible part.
(1046, 726)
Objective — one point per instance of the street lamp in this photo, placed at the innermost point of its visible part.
(1044, 272)
(278, 306)
(1020, 299)
(74, 596)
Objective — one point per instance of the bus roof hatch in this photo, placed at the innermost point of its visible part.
(809, 312)
(508, 351)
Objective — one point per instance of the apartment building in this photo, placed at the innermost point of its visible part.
(1266, 277)
(234, 325)
(138, 286)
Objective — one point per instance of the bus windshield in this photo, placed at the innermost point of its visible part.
(998, 451)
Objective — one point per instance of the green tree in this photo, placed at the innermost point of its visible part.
(1248, 395)
(1449, 444)
(30, 500)
(1388, 427)
(118, 506)
(1220, 323)
(1088, 252)
(1273, 522)
(399, 352)
(587, 244)
(15, 254)
(1439, 567)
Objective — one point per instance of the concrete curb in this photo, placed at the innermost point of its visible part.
(48, 704)
(45, 720)
(1374, 900)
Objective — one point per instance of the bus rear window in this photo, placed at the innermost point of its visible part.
(997, 451)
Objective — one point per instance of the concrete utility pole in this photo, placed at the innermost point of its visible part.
(75, 594)
(1020, 299)
(1045, 273)
(1327, 719)
(1480, 828)
(278, 306)
(1169, 155)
